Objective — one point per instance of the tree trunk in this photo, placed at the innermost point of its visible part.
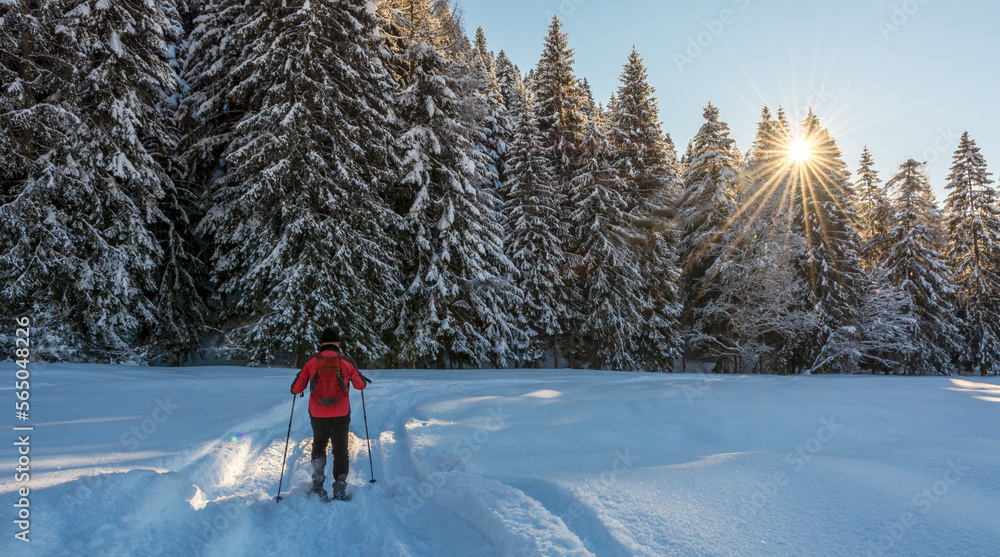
(300, 358)
(555, 351)
(571, 352)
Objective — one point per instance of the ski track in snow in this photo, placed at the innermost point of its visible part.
(513, 463)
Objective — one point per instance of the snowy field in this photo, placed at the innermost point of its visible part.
(178, 462)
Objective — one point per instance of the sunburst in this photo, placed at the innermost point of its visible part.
(800, 151)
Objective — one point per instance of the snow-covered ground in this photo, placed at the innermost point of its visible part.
(144, 461)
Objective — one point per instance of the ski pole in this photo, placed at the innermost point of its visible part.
(283, 458)
(365, 414)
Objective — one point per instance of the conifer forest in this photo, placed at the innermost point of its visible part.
(183, 180)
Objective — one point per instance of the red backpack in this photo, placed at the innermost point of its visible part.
(328, 385)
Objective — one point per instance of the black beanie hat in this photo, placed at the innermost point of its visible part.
(329, 335)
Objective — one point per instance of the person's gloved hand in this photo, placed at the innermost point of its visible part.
(365, 379)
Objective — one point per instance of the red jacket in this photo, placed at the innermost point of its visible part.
(342, 408)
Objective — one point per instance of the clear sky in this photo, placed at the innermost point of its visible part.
(905, 77)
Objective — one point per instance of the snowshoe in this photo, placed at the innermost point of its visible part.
(340, 488)
(321, 493)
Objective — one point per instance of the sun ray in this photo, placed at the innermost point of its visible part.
(801, 177)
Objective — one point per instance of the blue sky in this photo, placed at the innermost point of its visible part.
(905, 77)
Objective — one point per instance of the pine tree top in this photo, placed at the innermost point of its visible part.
(973, 216)
(968, 168)
(634, 112)
(913, 199)
(866, 170)
(561, 100)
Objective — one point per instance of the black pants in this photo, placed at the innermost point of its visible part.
(332, 431)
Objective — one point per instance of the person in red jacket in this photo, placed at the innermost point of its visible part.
(329, 375)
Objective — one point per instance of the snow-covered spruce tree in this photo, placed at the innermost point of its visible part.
(302, 236)
(39, 254)
(763, 149)
(512, 88)
(440, 31)
(765, 196)
(659, 343)
(831, 264)
(559, 108)
(916, 266)
(872, 213)
(635, 132)
(497, 131)
(484, 59)
(34, 253)
(974, 255)
(740, 279)
(90, 175)
(534, 240)
(708, 199)
(205, 120)
(591, 110)
(208, 111)
(611, 288)
(182, 279)
(646, 163)
(705, 212)
(455, 305)
(559, 103)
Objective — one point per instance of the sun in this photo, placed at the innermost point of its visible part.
(800, 151)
